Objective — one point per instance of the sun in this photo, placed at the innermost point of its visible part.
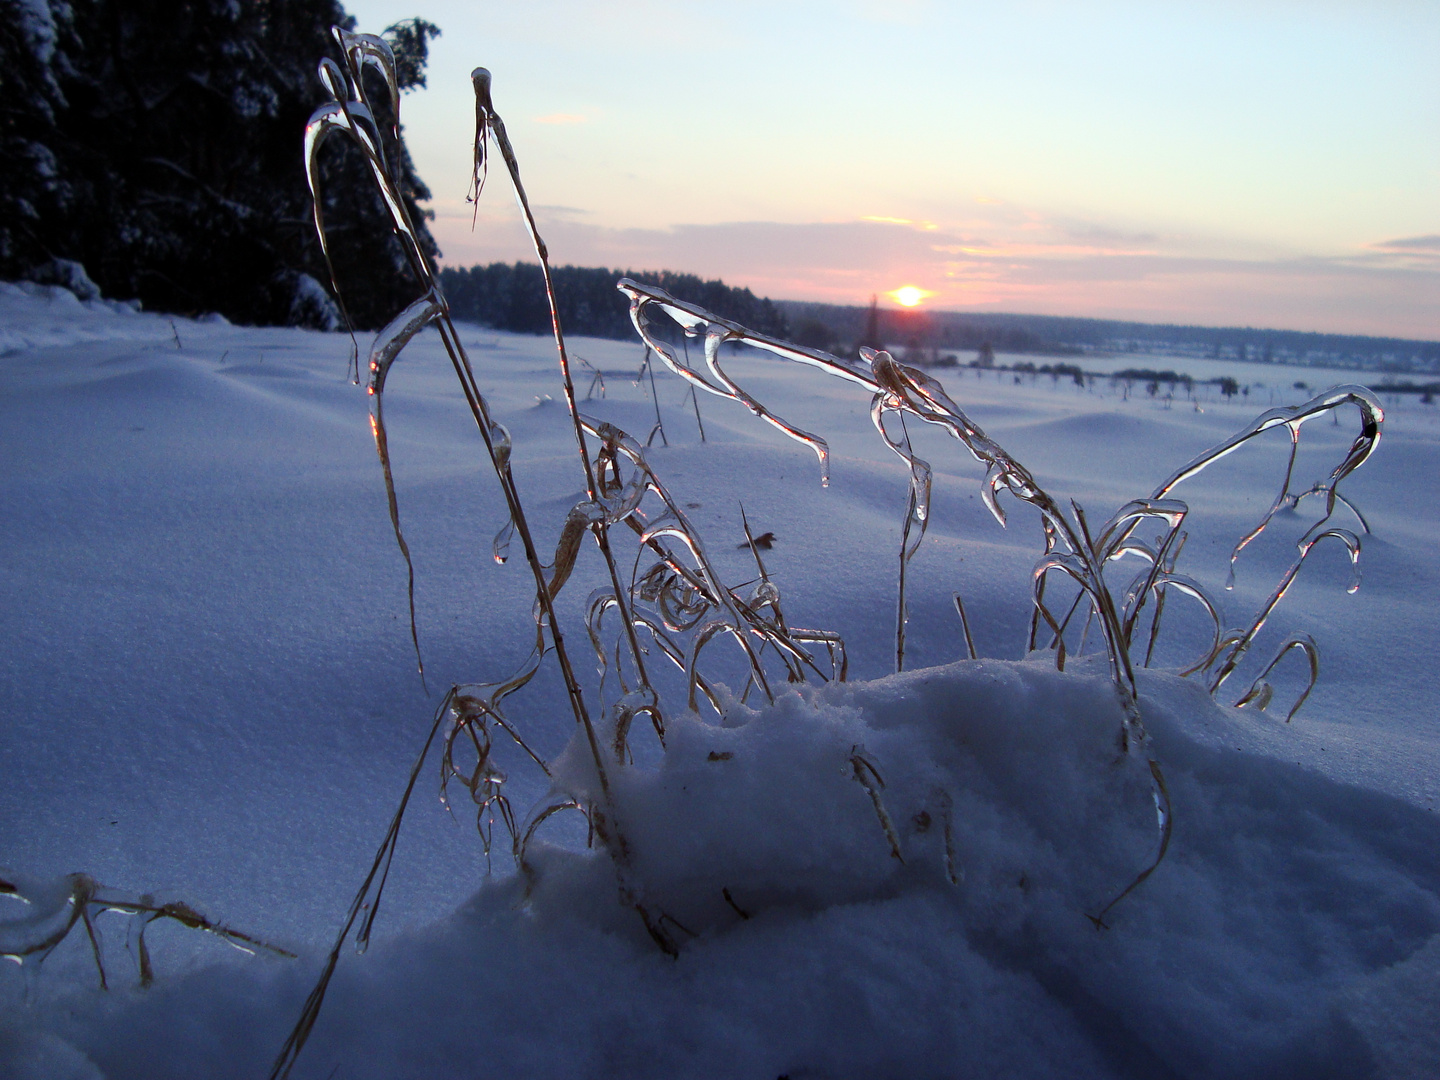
(909, 295)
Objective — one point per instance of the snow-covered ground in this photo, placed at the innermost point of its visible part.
(209, 694)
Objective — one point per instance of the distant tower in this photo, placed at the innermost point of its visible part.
(871, 339)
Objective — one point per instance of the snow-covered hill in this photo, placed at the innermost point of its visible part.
(210, 694)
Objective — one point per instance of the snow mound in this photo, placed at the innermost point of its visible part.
(1292, 921)
(38, 316)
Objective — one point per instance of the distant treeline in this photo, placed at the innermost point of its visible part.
(834, 325)
(509, 296)
(838, 327)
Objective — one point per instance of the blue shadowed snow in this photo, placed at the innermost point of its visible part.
(210, 694)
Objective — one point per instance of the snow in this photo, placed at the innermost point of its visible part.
(210, 695)
(37, 22)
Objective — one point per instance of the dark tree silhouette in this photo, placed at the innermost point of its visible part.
(157, 142)
(512, 297)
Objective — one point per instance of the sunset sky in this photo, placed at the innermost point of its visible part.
(1262, 163)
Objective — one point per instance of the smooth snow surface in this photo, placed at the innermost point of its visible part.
(210, 694)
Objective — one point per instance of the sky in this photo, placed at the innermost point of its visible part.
(1269, 163)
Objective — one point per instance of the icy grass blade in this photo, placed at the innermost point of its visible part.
(864, 773)
(646, 368)
(348, 111)
(470, 716)
(537, 819)
(597, 378)
(1372, 418)
(1261, 692)
(1114, 542)
(1240, 643)
(54, 906)
(488, 122)
(694, 321)
(965, 626)
(1160, 594)
(368, 896)
(388, 344)
(917, 510)
(1166, 818)
(1281, 500)
(695, 404)
(1187, 586)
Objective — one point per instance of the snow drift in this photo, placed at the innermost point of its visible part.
(1291, 932)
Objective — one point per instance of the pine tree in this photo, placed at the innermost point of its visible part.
(158, 143)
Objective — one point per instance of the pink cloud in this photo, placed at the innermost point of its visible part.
(1057, 268)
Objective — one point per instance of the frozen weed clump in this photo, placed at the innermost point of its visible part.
(1071, 548)
(659, 599)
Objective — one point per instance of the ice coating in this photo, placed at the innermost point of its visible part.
(1372, 418)
(53, 907)
(896, 387)
(348, 111)
(917, 511)
(695, 321)
(1070, 548)
(677, 594)
(1261, 692)
(386, 349)
(1233, 649)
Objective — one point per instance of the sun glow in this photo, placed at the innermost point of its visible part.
(909, 295)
